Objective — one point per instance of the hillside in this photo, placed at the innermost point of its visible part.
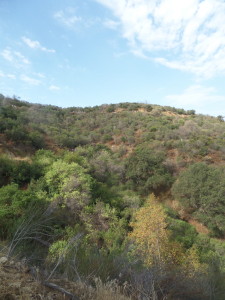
(121, 127)
(128, 192)
(18, 282)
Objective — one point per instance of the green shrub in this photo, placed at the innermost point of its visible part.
(6, 170)
(201, 190)
(13, 205)
(182, 232)
(146, 172)
(23, 172)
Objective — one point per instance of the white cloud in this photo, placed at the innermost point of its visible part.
(11, 76)
(40, 75)
(30, 80)
(197, 97)
(67, 18)
(7, 55)
(14, 57)
(111, 24)
(36, 45)
(22, 58)
(54, 88)
(187, 35)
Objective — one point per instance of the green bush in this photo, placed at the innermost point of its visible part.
(182, 232)
(201, 190)
(6, 170)
(23, 172)
(146, 172)
(17, 134)
(37, 140)
(13, 205)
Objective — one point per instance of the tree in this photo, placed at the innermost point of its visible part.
(23, 172)
(68, 186)
(220, 118)
(150, 234)
(146, 171)
(155, 244)
(13, 205)
(201, 191)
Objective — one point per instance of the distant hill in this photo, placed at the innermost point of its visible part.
(122, 127)
(129, 192)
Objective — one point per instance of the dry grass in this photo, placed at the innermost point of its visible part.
(17, 283)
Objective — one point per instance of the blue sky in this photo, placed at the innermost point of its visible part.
(91, 52)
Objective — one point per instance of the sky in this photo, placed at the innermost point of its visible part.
(92, 52)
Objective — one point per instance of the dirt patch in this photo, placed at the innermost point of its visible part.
(143, 110)
(175, 205)
(173, 154)
(172, 114)
(18, 283)
(200, 228)
(119, 110)
(18, 158)
(215, 157)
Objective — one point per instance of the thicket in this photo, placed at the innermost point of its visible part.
(201, 190)
(84, 211)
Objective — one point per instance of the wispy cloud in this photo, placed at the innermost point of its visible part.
(36, 45)
(11, 76)
(197, 96)
(14, 57)
(30, 80)
(40, 75)
(111, 24)
(187, 35)
(21, 58)
(7, 55)
(67, 18)
(54, 88)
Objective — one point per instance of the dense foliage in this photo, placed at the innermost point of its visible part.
(75, 187)
(201, 189)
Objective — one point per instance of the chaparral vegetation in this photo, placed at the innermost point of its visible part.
(126, 201)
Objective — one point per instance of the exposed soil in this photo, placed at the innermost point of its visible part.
(16, 282)
(200, 228)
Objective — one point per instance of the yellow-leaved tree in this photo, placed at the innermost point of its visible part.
(151, 237)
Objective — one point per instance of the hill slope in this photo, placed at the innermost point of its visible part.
(94, 192)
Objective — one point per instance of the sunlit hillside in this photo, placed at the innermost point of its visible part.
(124, 199)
